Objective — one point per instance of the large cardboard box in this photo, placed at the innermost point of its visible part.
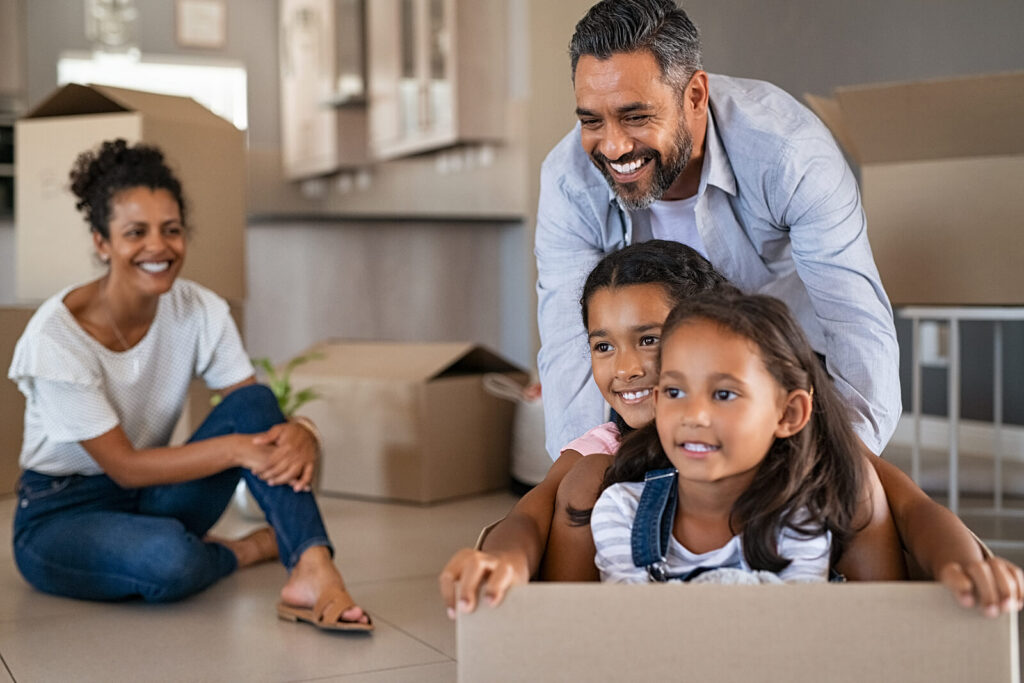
(53, 244)
(409, 421)
(12, 404)
(942, 167)
(840, 633)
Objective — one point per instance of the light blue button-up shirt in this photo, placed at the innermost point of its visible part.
(779, 212)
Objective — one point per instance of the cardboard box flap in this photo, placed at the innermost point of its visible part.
(164, 106)
(829, 112)
(405, 361)
(958, 117)
(74, 99)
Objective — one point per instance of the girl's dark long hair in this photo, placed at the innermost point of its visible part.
(809, 482)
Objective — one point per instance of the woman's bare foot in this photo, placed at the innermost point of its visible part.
(255, 548)
(315, 576)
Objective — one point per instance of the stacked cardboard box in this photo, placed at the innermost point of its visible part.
(942, 167)
(12, 404)
(206, 152)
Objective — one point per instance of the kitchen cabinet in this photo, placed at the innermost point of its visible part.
(437, 74)
(323, 104)
(12, 63)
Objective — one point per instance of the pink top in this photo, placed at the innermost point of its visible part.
(601, 439)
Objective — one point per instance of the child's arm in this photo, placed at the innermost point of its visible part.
(874, 553)
(946, 550)
(513, 549)
(570, 553)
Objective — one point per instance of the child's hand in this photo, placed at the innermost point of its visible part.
(994, 585)
(470, 571)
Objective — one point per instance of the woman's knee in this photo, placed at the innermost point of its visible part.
(252, 397)
(246, 410)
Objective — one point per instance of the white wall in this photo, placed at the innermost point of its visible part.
(425, 281)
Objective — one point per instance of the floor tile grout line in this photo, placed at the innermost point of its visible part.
(364, 673)
(410, 635)
(7, 668)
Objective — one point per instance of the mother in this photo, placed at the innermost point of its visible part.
(106, 509)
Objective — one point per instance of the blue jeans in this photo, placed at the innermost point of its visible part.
(86, 537)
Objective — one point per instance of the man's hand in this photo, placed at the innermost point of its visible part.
(994, 585)
(472, 572)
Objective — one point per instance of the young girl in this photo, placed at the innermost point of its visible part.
(750, 463)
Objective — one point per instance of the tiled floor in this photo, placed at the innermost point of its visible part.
(390, 555)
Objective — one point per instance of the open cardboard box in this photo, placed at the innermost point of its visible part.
(942, 167)
(409, 421)
(13, 320)
(804, 633)
(207, 153)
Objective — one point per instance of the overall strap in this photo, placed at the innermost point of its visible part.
(652, 526)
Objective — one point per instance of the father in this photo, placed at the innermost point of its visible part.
(736, 169)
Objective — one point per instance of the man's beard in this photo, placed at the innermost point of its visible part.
(664, 173)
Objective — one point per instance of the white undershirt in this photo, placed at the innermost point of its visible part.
(675, 221)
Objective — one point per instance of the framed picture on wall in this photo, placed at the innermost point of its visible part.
(201, 23)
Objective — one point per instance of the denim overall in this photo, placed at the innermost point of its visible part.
(652, 527)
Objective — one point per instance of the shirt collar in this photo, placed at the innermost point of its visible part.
(717, 170)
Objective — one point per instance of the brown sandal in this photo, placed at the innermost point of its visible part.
(327, 613)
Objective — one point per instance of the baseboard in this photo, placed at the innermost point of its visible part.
(976, 437)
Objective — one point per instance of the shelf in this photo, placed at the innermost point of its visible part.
(341, 100)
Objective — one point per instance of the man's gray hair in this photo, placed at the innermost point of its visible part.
(617, 26)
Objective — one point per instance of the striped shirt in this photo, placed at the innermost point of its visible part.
(612, 523)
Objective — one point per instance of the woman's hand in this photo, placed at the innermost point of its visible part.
(995, 585)
(248, 454)
(471, 571)
(293, 457)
